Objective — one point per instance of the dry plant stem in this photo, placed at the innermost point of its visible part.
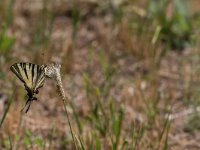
(65, 106)
(53, 72)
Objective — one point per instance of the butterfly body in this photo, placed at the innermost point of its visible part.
(32, 76)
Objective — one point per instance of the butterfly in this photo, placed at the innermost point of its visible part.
(33, 77)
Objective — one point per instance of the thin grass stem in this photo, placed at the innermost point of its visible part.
(7, 108)
(68, 120)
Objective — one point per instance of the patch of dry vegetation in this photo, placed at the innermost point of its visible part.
(127, 88)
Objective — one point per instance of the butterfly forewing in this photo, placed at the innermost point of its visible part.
(30, 74)
(14, 68)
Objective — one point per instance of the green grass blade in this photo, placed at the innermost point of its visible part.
(7, 109)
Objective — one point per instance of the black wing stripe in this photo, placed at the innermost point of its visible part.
(32, 71)
(21, 72)
(36, 75)
(21, 64)
(15, 69)
(40, 79)
(25, 70)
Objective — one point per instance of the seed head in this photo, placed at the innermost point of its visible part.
(52, 71)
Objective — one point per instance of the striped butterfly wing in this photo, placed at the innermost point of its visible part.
(40, 78)
(31, 75)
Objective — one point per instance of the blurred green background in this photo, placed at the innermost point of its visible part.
(130, 68)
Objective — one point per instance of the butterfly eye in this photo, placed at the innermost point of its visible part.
(36, 91)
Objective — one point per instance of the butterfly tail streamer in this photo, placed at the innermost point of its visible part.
(28, 102)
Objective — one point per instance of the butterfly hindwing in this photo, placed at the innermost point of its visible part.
(40, 78)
